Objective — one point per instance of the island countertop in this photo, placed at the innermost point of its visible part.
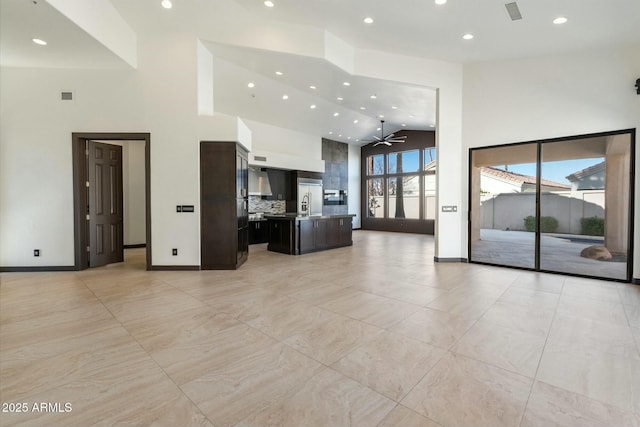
(295, 234)
(295, 216)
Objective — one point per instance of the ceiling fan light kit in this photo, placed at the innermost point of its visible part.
(386, 140)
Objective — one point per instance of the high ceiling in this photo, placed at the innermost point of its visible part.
(412, 27)
(315, 92)
(68, 46)
(423, 28)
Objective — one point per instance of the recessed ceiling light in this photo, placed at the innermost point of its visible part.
(340, 98)
(432, 126)
(393, 107)
(279, 73)
(348, 137)
(336, 114)
(312, 87)
(346, 84)
(251, 85)
(368, 20)
(330, 133)
(39, 42)
(166, 4)
(340, 135)
(269, 3)
(285, 97)
(373, 96)
(357, 140)
(467, 36)
(411, 116)
(441, 1)
(381, 116)
(355, 121)
(312, 106)
(363, 108)
(378, 128)
(404, 124)
(560, 20)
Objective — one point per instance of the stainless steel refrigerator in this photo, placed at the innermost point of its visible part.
(309, 196)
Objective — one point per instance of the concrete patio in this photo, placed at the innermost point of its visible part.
(517, 248)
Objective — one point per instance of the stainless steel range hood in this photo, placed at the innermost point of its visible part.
(259, 183)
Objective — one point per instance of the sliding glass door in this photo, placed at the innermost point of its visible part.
(558, 206)
(503, 201)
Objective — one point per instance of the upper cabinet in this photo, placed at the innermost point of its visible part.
(280, 185)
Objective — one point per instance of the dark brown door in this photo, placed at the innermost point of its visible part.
(105, 204)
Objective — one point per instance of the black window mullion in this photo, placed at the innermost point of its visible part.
(538, 230)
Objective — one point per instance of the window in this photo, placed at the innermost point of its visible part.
(405, 161)
(375, 165)
(404, 190)
(404, 197)
(398, 187)
(375, 198)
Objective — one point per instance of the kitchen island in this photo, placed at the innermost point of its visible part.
(295, 234)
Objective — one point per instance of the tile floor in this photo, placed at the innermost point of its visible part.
(371, 335)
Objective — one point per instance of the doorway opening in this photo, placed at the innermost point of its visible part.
(84, 204)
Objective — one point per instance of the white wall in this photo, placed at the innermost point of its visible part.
(285, 148)
(35, 153)
(159, 97)
(494, 185)
(353, 197)
(538, 98)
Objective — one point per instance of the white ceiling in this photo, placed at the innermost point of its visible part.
(422, 28)
(236, 67)
(68, 46)
(412, 27)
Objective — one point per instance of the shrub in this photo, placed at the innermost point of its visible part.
(592, 226)
(548, 224)
(530, 223)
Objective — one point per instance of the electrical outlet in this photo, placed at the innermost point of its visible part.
(36, 252)
(174, 252)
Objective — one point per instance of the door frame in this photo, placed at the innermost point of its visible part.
(539, 143)
(81, 237)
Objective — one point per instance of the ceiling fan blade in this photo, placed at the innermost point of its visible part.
(376, 138)
(395, 140)
(389, 136)
(382, 142)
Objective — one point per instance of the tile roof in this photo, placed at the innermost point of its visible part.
(587, 171)
(520, 178)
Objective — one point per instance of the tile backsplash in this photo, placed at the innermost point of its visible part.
(257, 204)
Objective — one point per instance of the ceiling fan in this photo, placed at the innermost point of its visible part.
(386, 140)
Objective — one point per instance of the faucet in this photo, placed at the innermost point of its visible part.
(304, 203)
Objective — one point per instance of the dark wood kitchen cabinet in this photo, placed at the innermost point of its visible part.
(258, 232)
(295, 235)
(313, 235)
(282, 236)
(224, 221)
(339, 232)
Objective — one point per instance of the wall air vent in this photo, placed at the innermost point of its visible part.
(260, 158)
(514, 11)
(66, 96)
